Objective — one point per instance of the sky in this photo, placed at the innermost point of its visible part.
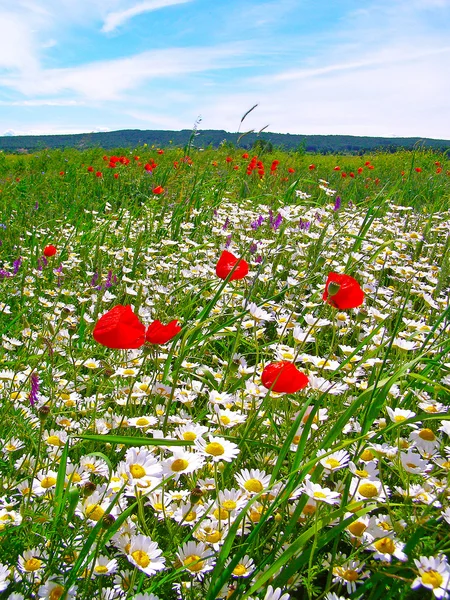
(376, 68)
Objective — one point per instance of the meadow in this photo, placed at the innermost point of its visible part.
(196, 403)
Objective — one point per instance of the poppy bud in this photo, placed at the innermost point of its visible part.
(333, 288)
(196, 495)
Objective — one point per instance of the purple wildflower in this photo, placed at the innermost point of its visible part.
(16, 265)
(228, 242)
(94, 279)
(42, 262)
(277, 221)
(304, 225)
(36, 206)
(2, 226)
(33, 396)
(337, 204)
(271, 216)
(259, 221)
(258, 259)
(253, 247)
(225, 225)
(4, 274)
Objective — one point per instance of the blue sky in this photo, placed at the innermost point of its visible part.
(377, 68)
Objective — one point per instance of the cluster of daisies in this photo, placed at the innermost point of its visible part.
(362, 448)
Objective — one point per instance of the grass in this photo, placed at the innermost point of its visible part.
(338, 490)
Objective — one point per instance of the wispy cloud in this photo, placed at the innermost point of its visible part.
(114, 19)
(106, 80)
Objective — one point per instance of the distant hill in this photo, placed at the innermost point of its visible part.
(133, 138)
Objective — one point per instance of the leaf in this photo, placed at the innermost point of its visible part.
(130, 441)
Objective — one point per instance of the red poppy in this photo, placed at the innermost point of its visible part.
(351, 174)
(50, 250)
(158, 190)
(360, 170)
(229, 159)
(312, 167)
(90, 169)
(120, 328)
(342, 291)
(439, 170)
(291, 170)
(245, 155)
(228, 262)
(157, 333)
(160, 151)
(337, 169)
(283, 377)
(99, 174)
(418, 170)
(61, 173)
(236, 167)
(116, 175)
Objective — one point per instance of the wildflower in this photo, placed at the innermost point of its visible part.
(120, 328)
(181, 462)
(52, 590)
(34, 393)
(157, 333)
(252, 481)
(387, 547)
(320, 494)
(434, 574)
(342, 291)
(195, 558)
(50, 250)
(145, 554)
(425, 440)
(349, 574)
(217, 448)
(105, 566)
(335, 461)
(244, 568)
(228, 263)
(158, 190)
(283, 377)
(337, 202)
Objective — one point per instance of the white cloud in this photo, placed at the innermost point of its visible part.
(114, 19)
(107, 80)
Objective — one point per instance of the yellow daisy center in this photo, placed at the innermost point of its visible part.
(94, 512)
(180, 464)
(385, 546)
(189, 436)
(229, 505)
(333, 463)
(240, 570)
(357, 528)
(142, 421)
(253, 485)
(53, 440)
(427, 435)
(48, 482)
(368, 490)
(193, 563)
(101, 569)
(367, 455)
(215, 449)
(141, 557)
(32, 564)
(56, 593)
(432, 578)
(137, 471)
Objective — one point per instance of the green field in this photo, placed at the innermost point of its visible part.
(161, 462)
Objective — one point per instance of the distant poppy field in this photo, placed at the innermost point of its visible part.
(224, 375)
